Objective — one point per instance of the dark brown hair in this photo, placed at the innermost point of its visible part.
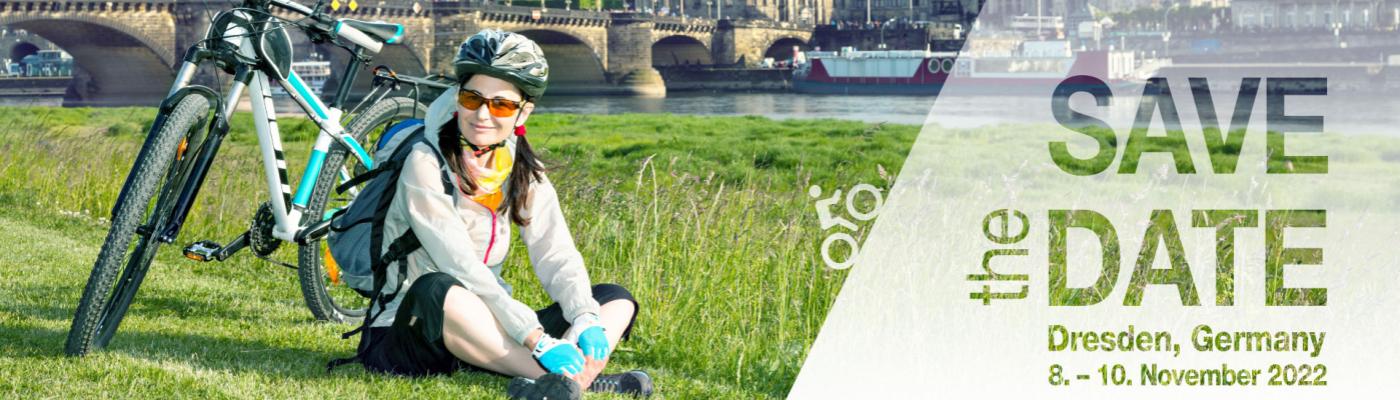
(527, 168)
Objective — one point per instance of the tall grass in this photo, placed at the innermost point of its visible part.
(705, 219)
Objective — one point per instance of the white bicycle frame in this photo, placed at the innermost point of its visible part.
(287, 207)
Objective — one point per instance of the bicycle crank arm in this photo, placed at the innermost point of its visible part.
(207, 250)
(314, 232)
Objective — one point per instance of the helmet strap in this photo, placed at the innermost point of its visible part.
(477, 151)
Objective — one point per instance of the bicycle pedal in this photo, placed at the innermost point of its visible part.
(202, 251)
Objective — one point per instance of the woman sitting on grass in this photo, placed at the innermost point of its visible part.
(457, 312)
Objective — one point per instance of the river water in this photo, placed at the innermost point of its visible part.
(1351, 113)
(888, 109)
(1347, 113)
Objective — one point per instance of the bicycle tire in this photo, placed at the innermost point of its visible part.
(107, 296)
(316, 285)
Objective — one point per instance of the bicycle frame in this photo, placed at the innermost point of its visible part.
(287, 206)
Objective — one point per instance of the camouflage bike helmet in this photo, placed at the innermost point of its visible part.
(509, 56)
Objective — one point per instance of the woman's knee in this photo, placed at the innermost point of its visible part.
(462, 302)
(615, 297)
(469, 328)
(621, 306)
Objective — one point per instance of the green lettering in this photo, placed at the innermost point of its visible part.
(1157, 95)
(1276, 256)
(1162, 229)
(1225, 222)
(1060, 222)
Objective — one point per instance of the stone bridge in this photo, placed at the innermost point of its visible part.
(126, 51)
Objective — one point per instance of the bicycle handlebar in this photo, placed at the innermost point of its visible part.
(331, 26)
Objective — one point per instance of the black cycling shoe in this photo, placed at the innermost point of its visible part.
(635, 383)
(548, 387)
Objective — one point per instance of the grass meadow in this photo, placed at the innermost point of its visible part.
(706, 219)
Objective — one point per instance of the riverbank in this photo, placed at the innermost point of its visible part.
(729, 80)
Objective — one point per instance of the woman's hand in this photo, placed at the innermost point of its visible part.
(588, 333)
(592, 367)
(558, 356)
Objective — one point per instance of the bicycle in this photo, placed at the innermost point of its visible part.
(252, 44)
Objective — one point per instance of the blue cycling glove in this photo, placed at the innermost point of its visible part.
(558, 356)
(588, 333)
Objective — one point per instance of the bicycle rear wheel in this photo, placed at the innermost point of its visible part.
(329, 298)
(133, 239)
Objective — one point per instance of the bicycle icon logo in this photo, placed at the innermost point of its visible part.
(828, 221)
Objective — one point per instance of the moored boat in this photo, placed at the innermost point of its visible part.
(1032, 69)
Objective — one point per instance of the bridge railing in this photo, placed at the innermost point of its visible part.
(672, 19)
(770, 24)
(518, 12)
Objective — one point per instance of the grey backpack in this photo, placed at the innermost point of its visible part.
(357, 231)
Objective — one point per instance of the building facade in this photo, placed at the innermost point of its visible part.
(793, 11)
(1017, 14)
(942, 11)
(1316, 14)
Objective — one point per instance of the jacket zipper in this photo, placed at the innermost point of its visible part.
(492, 241)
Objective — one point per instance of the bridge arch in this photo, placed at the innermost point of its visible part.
(113, 65)
(21, 50)
(781, 49)
(680, 50)
(574, 64)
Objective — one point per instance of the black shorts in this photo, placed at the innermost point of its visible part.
(414, 346)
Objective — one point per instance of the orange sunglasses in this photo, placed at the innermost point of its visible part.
(498, 107)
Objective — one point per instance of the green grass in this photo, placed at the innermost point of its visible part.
(705, 219)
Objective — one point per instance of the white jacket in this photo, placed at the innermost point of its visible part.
(456, 238)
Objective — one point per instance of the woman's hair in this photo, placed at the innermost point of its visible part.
(527, 167)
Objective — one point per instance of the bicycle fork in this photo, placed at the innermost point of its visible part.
(202, 156)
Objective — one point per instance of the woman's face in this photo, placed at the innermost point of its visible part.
(480, 127)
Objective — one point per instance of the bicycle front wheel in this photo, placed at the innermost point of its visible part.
(326, 295)
(134, 236)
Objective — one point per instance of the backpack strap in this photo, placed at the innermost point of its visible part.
(391, 165)
(398, 253)
(446, 173)
(443, 169)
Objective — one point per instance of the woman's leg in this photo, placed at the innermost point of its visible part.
(615, 316)
(468, 336)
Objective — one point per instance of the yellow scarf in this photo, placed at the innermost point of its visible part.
(490, 178)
